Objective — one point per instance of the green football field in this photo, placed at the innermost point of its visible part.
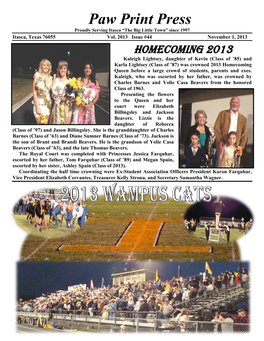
(119, 231)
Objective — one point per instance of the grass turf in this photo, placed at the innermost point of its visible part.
(106, 223)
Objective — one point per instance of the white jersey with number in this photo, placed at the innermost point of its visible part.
(77, 211)
(54, 203)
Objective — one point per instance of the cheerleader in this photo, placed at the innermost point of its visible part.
(218, 203)
(222, 228)
(192, 224)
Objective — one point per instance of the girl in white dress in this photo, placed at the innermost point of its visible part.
(41, 92)
(227, 154)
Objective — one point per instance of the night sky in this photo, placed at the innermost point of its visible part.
(28, 56)
(233, 208)
(36, 278)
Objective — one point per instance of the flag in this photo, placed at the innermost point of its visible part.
(91, 286)
(207, 267)
(179, 271)
(157, 275)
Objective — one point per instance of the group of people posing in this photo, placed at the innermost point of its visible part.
(64, 100)
(221, 146)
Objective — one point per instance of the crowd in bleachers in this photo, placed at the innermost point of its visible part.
(164, 300)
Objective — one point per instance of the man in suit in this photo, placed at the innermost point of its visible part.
(230, 120)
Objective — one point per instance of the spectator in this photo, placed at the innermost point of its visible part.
(20, 206)
(178, 296)
(183, 319)
(243, 318)
(144, 309)
(130, 305)
(216, 320)
(210, 287)
(167, 310)
(202, 288)
(226, 323)
(112, 309)
(185, 295)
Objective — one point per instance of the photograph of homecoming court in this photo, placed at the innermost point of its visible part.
(216, 128)
(60, 84)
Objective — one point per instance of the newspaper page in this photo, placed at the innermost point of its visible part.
(133, 170)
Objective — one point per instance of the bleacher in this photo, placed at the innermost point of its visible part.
(220, 300)
(50, 192)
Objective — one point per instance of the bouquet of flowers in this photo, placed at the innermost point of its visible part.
(43, 119)
(238, 151)
(69, 90)
(76, 85)
(79, 101)
(43, 89)
(237, 155)
(58, 90)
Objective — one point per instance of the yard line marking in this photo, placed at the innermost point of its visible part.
(124, 233)
(131, 253)
(150, 248)
(36, 250)
(158, 233)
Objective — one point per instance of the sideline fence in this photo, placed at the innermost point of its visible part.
(118, 324)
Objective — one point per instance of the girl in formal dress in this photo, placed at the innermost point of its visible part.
(227, 154)
(84, 112)
(41, 92)
(62, 96)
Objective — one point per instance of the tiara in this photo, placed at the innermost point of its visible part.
(62, 62)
